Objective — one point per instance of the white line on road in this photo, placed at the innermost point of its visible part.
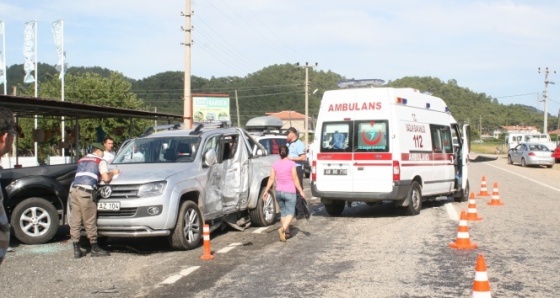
(451, 211)
(260, 230)
(173, 278)
(229, 247)
(524, 177)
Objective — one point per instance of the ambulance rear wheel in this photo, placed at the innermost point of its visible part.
(414, 197)
(335, 208)
(464, 194)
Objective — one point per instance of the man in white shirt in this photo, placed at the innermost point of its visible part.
(108, 154)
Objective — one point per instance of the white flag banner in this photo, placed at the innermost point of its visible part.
(2, 62)
(29, 51)
(58, 33)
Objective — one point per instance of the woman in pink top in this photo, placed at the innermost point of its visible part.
(285, 174)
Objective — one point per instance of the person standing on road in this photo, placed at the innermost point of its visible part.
(8, 131)
(108, 154)
(284, 173)
(91, 168)
(297, 154)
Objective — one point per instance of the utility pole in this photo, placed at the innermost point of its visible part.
(237, 106)
(306, 122)
(545, 97)
(187, 99)
(480, 127)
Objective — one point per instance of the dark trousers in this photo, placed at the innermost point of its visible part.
(300, 209)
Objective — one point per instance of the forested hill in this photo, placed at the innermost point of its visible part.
(281, 87)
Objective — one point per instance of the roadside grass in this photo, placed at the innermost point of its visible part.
(489, 148)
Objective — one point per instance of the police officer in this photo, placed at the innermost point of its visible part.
(91, 169)
(297, 154)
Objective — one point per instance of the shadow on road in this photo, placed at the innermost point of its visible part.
(483, 158)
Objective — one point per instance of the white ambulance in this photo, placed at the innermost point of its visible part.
(379, 144)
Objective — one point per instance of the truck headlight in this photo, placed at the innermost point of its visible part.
(152, 189)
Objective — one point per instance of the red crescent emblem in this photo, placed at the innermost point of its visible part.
(374, 141)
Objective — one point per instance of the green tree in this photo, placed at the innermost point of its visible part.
(87, 88)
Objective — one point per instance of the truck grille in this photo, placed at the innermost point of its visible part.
(124, 212)
(124, 191)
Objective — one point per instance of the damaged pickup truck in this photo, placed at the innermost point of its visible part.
(173, 182)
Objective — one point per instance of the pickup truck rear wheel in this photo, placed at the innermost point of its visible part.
(263, 215)
(335, 208)
(188, 229)
(35, 221)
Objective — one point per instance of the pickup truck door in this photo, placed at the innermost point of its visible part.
(213, 194)
(235, 186)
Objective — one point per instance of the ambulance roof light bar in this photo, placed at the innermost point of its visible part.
(360, 83)
(402, 100)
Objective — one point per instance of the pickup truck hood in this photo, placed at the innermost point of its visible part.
(144, 173)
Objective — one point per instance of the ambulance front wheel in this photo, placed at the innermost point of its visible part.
(335, 207)
(414, 198)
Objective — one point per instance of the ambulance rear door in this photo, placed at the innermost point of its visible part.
(334, 159)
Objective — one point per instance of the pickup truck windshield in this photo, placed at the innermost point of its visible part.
(158, 150)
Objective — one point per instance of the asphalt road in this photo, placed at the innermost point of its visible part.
(367, 252)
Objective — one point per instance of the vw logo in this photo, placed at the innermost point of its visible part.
(105, 192)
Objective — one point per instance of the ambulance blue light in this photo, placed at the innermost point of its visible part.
(402, 100)
(427, 105)
(446, 109)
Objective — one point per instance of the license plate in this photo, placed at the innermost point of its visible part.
(336, 171)
(115, 206)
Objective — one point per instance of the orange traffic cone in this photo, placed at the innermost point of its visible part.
(481, 285)
(495, 196)
(463, 241)
(472, 214)
(207, 254)
(483, 190)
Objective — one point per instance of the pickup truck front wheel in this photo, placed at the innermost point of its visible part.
(34, 221)
(188, 229)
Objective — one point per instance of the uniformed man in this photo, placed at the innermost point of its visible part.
(297, 154)
(91, 169)
(7, 133)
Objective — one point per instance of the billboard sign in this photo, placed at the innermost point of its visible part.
(210, 108)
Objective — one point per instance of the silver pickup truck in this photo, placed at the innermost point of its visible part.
(172, 182)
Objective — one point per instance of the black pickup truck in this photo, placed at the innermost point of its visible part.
(35, 200)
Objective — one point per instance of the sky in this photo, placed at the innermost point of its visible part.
(492, 47)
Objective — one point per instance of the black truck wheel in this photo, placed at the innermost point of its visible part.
(34, 221)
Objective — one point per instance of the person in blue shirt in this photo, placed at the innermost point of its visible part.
(297, 154)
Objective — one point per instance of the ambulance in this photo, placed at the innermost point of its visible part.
(387, 144)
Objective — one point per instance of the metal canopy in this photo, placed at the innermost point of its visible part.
(28, 107)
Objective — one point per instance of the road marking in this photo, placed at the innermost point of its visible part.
(260, 230)
(451, 211)
(173, 278)
(229, 247)
(524, 177)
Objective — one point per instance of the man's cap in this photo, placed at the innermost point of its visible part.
(292, 129)
(98, 146)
